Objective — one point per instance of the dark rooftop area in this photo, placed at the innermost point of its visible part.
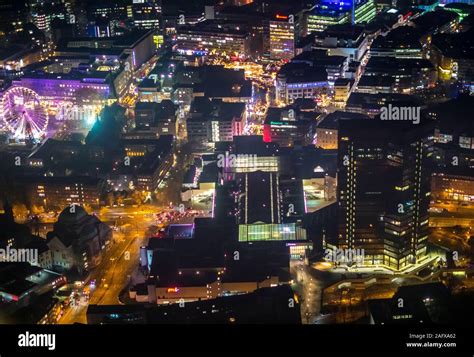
(331, 120)
(376, 81)
(298, 72)
(431, 21)
(400, 37)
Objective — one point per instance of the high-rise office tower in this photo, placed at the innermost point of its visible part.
(145, 14)
(279, 37)
(384, 190)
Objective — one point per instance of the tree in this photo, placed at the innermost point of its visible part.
(87, 208)
(119, 198)
(37, 209)
(110, 199)
(137, 197)
(20, 210)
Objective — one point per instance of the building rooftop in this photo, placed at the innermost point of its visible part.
(61, 180)
(432, 21)
(265, 305)
(380, 99)
(454, 116)
(331, 120)
(254, 144)
(329, 10)
(115, 44)
(290, 115)
(456, 46)
(345, 31)
(153, 160)
(216, 26)
(260, 204)
(387, 311)
(342, 82)
(203, 108)
(219, 82)
(376, 81)
(302, 73)
(400, 37)
(390, 65)
(52, 146)
(13, 278)
(317, 58)
(73, 75)
(384, 131)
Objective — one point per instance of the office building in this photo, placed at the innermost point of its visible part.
(342, 90)
(278, 38)
(159, 118)
(328, 13)
(387, 218)
(135, 47)
(145, 14)
(153, 166)
(51, 191)
(213, 37)
(213, 121)
(455, 184)
(327, 130)
(289, 126)
(401, 42)
(409, 74)
(299, 80)
(371, 104)
(452, 55)
(345, 39)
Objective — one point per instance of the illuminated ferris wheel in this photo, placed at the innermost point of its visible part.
(23, 114)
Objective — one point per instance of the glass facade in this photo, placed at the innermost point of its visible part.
(333, 14)
(260, 232)
(252, 163)
(282, 37)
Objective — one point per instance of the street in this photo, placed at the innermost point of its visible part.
(308, 284)
(111, 276)
(119, 264)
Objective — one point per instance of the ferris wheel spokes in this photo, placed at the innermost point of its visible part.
(23, 114)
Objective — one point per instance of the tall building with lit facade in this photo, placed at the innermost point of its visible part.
(384, 190)
(215, 38)
(279, 38)
(365, 11)
(145, 14)
(329, 12)
(43, 14)
(112, 11)
(342, 90)
(318, 19)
